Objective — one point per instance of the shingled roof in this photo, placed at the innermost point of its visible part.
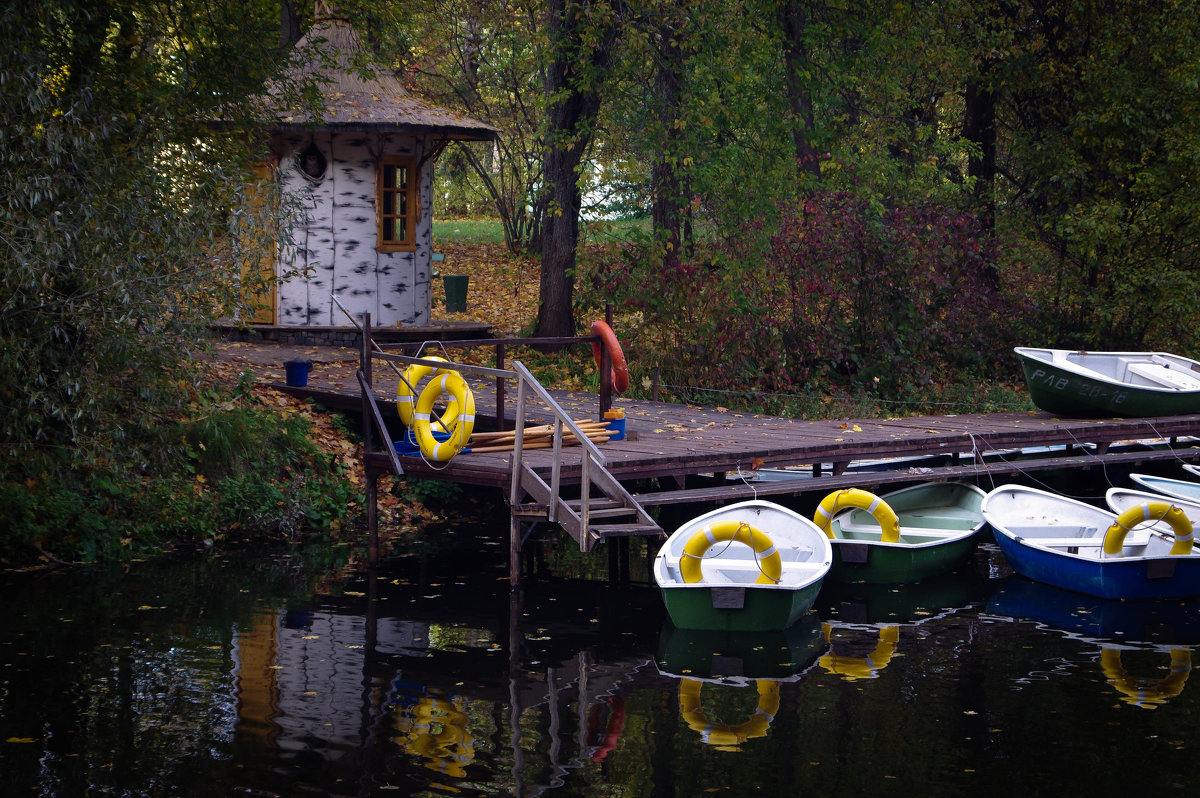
(332, 53)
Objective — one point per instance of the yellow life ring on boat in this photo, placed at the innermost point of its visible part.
(692, 712)
(453, 384)
(769, 562)
(1144, 692)
(889, 522)
(868, 667)
(406, 394)
(1114, 538)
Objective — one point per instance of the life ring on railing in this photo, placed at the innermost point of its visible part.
(770, 564)
(868, 667)
(1146, 693)
(721, 734)
(454, 385)
(620, 372)
(889, 523)
(1114, 538)
(406, 393)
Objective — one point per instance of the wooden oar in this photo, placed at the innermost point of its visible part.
(547, 429)
(541, 444)
(533, 433)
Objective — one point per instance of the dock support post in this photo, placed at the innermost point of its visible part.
(372, 474)
(514, 551)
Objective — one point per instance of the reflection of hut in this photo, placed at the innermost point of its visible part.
(361, 171)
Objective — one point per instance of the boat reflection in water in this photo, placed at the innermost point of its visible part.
(1170, 628)
(864, 621)
(722, 660)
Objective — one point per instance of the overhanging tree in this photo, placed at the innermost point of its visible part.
(115, 205)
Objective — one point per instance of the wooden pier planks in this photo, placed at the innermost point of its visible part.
(678, 443)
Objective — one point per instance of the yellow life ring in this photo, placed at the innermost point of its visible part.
(1144, 692)
(868, 667)
(889, 522)
(446, 751)
(769, 562)
(406, 394)
(454, 385)
(1114, 538)
(692, 712)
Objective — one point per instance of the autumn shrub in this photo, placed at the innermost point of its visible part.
(842, 295)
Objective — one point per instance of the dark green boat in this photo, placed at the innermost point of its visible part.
(1122, 384)
(933, 529)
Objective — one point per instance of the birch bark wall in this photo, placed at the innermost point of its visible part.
(335, 243)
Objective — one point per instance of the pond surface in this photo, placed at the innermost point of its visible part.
(290, 673)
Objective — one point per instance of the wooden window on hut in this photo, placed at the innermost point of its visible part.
(396, 203)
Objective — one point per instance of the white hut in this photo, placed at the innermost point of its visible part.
(361, 170)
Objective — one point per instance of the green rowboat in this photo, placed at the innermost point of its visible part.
(750, 566)
(936, 526)
(1122, 384)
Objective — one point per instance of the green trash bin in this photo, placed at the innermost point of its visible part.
(456, 292)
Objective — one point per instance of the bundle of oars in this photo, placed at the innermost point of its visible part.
(540, 437)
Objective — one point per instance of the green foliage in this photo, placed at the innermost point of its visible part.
(888, 303)
(432, 493)
(233, 470)
(115, 219)
(1104, 123)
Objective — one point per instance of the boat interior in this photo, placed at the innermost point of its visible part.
(1152, 371)
(738, 565)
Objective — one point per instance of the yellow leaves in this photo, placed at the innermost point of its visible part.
(846, 425)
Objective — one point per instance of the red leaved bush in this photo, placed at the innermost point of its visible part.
(843, 293)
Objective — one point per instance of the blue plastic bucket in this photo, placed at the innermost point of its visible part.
(297, 372)
(616, 429)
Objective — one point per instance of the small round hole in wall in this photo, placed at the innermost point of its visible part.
(311, 163)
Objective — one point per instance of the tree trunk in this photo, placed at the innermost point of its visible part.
(979, 127)
(573, 79)
(667, 188)
(793, 19)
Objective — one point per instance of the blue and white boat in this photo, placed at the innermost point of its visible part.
(1186, 489)
(1073, 545)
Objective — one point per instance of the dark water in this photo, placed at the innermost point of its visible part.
(294, 673)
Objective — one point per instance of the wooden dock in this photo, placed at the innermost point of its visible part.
(682, 455)
(677, 454)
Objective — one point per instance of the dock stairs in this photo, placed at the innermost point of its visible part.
(614, 515)
(576, 492)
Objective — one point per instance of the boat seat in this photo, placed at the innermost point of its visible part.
(1135, 538)
(1161, 375)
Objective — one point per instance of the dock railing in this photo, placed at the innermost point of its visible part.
(576, 519)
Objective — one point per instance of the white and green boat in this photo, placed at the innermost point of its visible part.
(901, 537)
(1124, 384)
(750, 566)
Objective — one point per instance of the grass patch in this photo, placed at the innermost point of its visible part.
(467, 231)
(491, 231)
